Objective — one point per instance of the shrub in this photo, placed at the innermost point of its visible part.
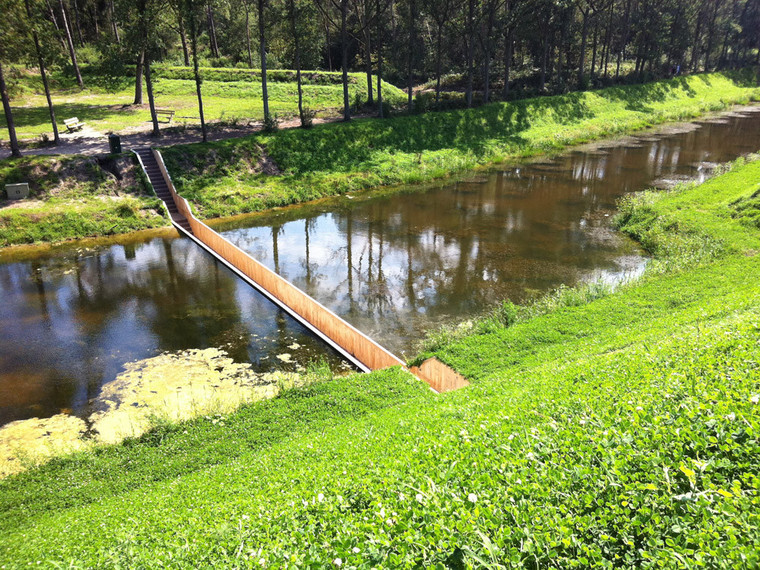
(307, 117)
(271, 123)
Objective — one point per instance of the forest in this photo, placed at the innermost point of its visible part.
(446, 54)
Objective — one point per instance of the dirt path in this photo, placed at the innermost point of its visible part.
(89, 141)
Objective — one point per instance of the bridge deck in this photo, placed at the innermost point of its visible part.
(357, 347)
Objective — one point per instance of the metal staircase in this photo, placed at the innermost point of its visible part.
(160, 186)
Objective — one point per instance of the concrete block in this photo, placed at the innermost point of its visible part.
(17, 191)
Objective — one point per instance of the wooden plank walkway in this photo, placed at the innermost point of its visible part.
(357, 347)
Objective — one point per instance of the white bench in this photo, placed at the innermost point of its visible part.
(73, 124)
(167, 114)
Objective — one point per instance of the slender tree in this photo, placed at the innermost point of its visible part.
(262, 5)
(342, 7)
(344, 58)
(70, 44)
(248, 33)
(15, 150)
(43, 71)
(440, 11)
(138, 100)
(114, 26)
(293, 17)
(380, 7)
(490, 8)
(470, 40)
(192, 16)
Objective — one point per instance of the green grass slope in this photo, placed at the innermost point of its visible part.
(76, 196)
(337, 158)
(619, 432)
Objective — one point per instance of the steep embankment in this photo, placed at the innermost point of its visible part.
(613, 430)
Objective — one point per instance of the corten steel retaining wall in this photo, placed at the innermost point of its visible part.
(359, 346)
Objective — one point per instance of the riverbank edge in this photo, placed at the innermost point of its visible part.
(234, 191)
(548, 393)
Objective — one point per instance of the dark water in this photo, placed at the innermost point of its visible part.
(69, 322)
(392, 265)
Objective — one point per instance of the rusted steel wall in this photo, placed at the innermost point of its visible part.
(354, 342)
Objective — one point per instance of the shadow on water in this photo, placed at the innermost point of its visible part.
(396, 265)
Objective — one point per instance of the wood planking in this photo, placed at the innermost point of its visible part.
(354, 342)
(440, 377)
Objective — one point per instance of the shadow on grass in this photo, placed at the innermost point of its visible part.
(27, 117)
(472, 131)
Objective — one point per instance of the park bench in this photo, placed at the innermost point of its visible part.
(167, 114)
(73, 124)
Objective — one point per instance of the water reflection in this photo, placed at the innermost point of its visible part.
(393, 266)
(69, 322)
(397, 265)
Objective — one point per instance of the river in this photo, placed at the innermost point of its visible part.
(394, 264)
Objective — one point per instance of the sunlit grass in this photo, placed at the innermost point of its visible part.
(608, 429)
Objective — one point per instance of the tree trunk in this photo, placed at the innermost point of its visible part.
(695, 45)
(410, 60)
(263, 48)
(368, 53)
(70, 43)
(76, 22)
(183, 39)
(151, 102)
(43, 72)
(212, 31)
(608, 41)
(470, 54)
(15, 150)
(52, 16)
(594, 47)
(438, 42)
(327, 43)
(507, 61)
(53, 19)
(344, 58)
(297, 45)
(560, 56)
(582, 63)
(248, 35)
(544, 57)
(138, 79)
(196, 69)
(378, 15)
(487, 55)
(368, 66)
(96, 23)
(114, 27)
(711, 35)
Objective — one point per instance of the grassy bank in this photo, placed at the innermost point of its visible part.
(263, 171)
(333, 159)
(229, 95)
(75, 197)
(616, 430)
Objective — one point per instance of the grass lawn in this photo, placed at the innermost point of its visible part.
(609, 430)
(233, 97)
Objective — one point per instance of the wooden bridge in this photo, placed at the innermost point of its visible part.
(354, 345)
